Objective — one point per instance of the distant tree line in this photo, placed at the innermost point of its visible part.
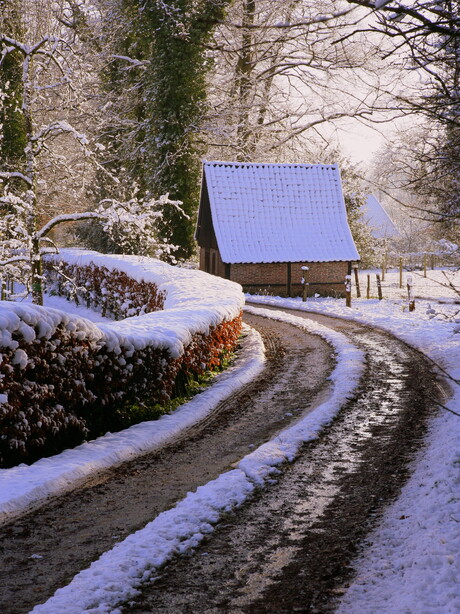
(150, 87)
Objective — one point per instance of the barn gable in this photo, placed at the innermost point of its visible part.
(266, 213)
(375, 215)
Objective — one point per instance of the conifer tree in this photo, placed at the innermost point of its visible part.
(13, 132)
(171, 42)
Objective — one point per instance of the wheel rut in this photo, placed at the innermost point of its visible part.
(288, 550)
(42, 550)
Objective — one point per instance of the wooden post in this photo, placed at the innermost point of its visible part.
(410, 294)
(424, 264)
(358, 289)
(400, 272)
(368, 293)
(289, 279)
(383, 271)
(379, 287)
(2, 290)
(304, 282)
(432, 262)
(348, 290)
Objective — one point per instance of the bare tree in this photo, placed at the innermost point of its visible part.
(424, 40)
(50, 96)
(281, 72)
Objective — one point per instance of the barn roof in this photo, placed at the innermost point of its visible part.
(375, 215)
(278, 212)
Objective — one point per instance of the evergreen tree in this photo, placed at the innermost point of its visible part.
(13, 132)
(175, 92)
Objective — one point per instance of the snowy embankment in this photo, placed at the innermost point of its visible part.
(190, 308)
(412, 562)
(116, 577)
(25, 486)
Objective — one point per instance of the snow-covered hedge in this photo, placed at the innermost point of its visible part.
(61, 374)
(111, 292)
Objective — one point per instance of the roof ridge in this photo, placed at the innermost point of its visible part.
(269, 164)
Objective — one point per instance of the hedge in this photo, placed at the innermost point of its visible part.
(64, 379)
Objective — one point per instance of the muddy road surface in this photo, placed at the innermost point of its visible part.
(288, 548)
(68, 533)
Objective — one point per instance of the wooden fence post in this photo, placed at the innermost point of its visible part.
(379, 287)
(424, 264)
(368, 293)
(348, 290)
(304, 282)
(410, 294)
(289, 279)
(358, 289)
(400, 272)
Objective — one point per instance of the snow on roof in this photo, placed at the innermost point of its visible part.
(375, 216)
(278, 212)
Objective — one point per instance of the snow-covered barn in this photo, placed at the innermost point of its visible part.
(377, 218)
(258, 224)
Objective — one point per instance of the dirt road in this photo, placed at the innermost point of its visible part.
(287, 550)
(68, 533)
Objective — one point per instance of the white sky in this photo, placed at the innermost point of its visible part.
(360, 143)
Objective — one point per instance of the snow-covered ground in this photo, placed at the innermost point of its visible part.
(413, 564)
(435, 286)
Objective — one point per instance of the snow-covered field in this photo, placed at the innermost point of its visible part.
(435, 286)
(412, 566)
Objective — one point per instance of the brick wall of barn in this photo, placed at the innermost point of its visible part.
(324, 278)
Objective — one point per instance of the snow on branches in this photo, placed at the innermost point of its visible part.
(133, 225)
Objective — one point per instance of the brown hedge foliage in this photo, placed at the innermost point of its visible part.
(71, 388)
(112, 292)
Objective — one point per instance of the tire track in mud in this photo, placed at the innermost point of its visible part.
(288, 549)
(42, 550)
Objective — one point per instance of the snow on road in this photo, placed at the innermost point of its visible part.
(412, 565)
(115, 577)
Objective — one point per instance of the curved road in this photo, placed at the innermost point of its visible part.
(287, 549)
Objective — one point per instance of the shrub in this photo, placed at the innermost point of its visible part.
(63, 379)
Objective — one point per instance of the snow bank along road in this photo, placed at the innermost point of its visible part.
(287, 548)
(70, 532)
